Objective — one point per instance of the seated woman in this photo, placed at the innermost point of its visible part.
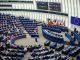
(72, 36)
(76, 41)
(69, 32)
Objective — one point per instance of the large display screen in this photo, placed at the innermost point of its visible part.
(53, 6)
(42, 5)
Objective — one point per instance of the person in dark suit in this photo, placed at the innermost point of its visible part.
(71, 34)
(36, 31)
(75, 30)
(36, 40)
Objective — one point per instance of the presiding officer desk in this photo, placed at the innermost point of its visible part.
(52, 36)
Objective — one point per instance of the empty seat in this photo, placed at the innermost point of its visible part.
(53, 44)
(47, 43)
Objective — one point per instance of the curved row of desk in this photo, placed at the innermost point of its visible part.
(17, 37)
(55, 30)
(51, 37)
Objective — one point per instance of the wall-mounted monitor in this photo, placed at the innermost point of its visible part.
(42, 5)
(53, 6)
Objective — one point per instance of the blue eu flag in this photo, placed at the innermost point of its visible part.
(75, 21)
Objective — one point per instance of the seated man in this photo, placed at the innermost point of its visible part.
(1, 47)
(12, 39)
(75, 30)
(36, 40)
(72, 36)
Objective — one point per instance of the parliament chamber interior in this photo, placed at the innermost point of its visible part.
(39, 30)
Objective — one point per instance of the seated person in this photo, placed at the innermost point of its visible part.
(1, 47)
(75, 30)
(25, 48)
(76, 41)
(79, 33)
(71, 34)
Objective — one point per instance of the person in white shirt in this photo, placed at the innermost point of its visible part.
(25, 48)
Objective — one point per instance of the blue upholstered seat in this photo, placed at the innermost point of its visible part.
(69, 37)
(77, 36)
(53, 44)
